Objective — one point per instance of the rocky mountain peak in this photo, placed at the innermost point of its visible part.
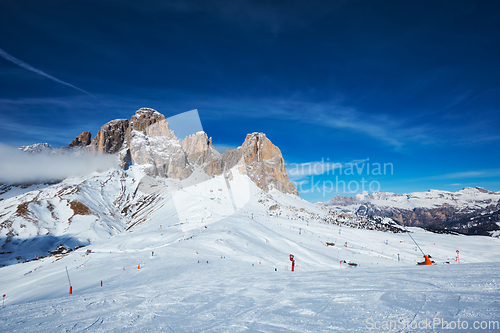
(110, 137)
(36, 148)
(145, 117)
(196, 144)
(147, 140)
(483, 190)
(200, 151)
(82, 140)
(263, 161)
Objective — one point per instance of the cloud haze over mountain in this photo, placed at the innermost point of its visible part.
(17, 166)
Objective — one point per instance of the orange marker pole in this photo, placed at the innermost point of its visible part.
(70, 287)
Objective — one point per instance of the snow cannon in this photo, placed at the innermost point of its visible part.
(426, 261)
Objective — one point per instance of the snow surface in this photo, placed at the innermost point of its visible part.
(467, 198)
(211, 256)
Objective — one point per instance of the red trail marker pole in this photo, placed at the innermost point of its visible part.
(70, 287)
(458, 257)
(3, 301)
(101, 283)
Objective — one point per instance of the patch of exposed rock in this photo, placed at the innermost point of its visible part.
(82, 140)
(110, 137)
(200, 152)
(263, 163)
(151, 143)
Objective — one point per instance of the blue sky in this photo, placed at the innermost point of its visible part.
(415, 85)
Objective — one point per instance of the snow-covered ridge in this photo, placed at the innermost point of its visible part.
(468, 197)
(36, 148)
(472, 211)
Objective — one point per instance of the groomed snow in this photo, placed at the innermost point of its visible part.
(212, 258)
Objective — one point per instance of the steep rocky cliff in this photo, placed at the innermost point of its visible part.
(82, 140)
(200, 152)
(110, 137)
(262, 161)
(147, 140)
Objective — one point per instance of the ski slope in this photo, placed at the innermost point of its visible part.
(209, 255)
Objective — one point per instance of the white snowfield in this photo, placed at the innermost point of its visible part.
(468, 199)
(212, 255)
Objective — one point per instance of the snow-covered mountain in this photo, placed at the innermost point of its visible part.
(181, 238)
(161, 174)
(79, 211)
(147, 140)
(468, 211)
(36, 148)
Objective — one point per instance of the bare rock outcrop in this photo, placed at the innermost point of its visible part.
(263, 163)
(143, 118)
(147, 140)
(82, 140)
(110, 137)
(200, 152)
(151, 143)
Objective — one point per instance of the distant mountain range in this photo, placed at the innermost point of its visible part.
(470, 211)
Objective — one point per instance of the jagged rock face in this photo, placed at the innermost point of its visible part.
(155, 147)
(110, 137)
(200, 152)
(82, 140)
(143, 118)
(263, 162)
(148, 141)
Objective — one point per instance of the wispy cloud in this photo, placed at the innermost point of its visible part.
(397, 131)
(471, 174)
(19, 167)
(24, 65)
(299, 171)
(388, 130)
